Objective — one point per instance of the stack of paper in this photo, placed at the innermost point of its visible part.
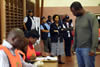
(46, 58)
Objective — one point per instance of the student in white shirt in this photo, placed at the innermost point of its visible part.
(29, 21)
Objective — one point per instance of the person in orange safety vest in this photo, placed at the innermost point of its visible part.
(32, 36)
(9, 50)
(21, 53)
(14, 60)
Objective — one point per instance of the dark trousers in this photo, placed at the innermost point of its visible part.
(68, 46)
(47, 45)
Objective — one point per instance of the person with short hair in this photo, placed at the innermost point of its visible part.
(86, 35)
(29, 21)
(45, 35)
(49, 21)
(30, 52)
(67, 34)
(9, 55)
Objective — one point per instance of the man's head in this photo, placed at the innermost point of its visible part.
(32, 36)
(30, 12)
(77, 9)
(67, 19)
(43, 19)
(16, 38)
(49, 18)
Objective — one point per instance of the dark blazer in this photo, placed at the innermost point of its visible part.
(65, 33)
(56, 35)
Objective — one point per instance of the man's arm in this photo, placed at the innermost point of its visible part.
(25, 20)
(94, 29)
(74, 44)
(3, 59)
(25, 64)
(43, 30)
(25, 26)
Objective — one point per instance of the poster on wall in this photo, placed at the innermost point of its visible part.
(37, 20)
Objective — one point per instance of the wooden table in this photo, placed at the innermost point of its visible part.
(48, 63)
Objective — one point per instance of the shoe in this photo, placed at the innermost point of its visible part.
(52, 56)
(61, 63)
(68, 54)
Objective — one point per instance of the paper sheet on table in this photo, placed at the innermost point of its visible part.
(47, 58)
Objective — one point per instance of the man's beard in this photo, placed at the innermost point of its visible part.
(79, 14)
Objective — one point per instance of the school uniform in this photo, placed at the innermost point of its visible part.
(45, 36)
(67, 34)
(49, 22)
(56, 39)
(30, 22)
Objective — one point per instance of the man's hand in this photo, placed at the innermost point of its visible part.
(45, 54)
(55, 30)
(45, 31)
(73, 53)
(91, 53)
(32, 57)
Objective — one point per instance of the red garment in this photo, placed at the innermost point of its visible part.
(99, 32)
(31, 51)
(37, 52)
(30, 45)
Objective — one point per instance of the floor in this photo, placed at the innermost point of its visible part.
(72, 62)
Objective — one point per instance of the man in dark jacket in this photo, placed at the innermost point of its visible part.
(67, 34)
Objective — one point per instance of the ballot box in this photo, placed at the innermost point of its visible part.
(48, 61)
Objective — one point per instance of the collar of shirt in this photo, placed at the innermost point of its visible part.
(46, 23)
(31, 17)
(7, 44)
(30, 45)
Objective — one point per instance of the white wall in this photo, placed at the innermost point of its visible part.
(32, 1)
(67, 3)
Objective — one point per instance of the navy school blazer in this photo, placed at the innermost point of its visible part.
(55, 36)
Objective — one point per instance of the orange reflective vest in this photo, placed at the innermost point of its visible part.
(30, 52)
(20, 52)
(14, 61)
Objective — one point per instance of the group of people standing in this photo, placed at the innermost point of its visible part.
(85, 40)
(55, 33)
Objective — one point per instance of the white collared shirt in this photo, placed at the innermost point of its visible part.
(4, 60)
(33, 19)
